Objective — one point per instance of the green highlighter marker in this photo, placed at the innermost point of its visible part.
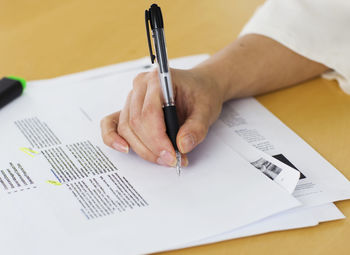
(11, 87)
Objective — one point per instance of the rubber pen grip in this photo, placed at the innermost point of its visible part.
(171, 123)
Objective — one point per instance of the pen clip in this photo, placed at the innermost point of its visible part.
(147, 19)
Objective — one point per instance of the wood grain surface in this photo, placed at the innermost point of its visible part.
(46, 38)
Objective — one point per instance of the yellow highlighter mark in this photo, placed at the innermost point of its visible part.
(28, 151)
(56, 183)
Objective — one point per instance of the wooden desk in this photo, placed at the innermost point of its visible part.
(47, 38)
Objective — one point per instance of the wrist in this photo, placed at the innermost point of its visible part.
(220, 83)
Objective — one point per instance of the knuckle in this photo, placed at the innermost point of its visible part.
(122, 128)
(201, 130)
(148, 110)
(134, 121)
(139, 79)
(153, 80)
(154, 74)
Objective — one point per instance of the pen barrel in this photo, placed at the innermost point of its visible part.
(171, 123)
(170, 116)
(167, 89)
(161, 51)
(162, 60)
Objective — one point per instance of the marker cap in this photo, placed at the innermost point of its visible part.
(10, 88)
(21, 80)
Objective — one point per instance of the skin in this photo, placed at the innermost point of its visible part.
(249, 66)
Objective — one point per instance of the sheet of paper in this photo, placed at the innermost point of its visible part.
(274, 169)
(94, 94)
(246, 118)
(142, 64)
(139, 65)
(260, 119)
(117, 80)
(319, 182)
(295, 218)
(76, 191)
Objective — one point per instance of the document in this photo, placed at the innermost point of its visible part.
(292, 219)
(237, 118)
(75, 201)
(136, 66)
(77, 192)
(245, 118)
(95, 92)
(251, 121)
(286, 176)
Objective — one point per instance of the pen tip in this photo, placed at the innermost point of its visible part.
(178, 163)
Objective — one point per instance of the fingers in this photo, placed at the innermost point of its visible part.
(194, 130)
(137, 96)
(141, 124)
(127, 133)
(146, 119)
(153, 130)
(109, 133)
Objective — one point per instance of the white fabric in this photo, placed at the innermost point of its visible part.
(316, 29)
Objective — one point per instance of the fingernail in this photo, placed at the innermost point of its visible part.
(120, 147)
(161, 162)
(166, 159)
(184, 161)
(187, 143)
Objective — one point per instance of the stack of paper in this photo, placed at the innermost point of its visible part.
(62, 190)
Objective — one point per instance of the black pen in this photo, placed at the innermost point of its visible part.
(154, 17)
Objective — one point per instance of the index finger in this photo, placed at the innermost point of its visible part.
(109, 126)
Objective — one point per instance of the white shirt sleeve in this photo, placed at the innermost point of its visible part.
(316, 29)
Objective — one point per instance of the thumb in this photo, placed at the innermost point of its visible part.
(192, 132)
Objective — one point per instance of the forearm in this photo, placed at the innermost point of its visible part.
(254, 64)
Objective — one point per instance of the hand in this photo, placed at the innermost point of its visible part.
(140, 124)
